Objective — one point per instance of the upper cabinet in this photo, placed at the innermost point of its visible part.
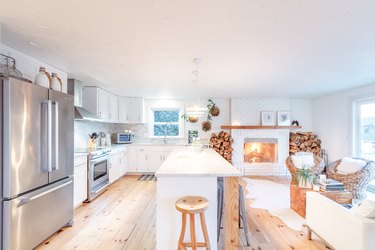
(112, 108)
(96, 100)
(131, 110)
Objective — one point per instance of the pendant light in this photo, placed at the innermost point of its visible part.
(197, 109)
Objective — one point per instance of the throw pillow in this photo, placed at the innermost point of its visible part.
(350, 165)
(366, 209)
(303, 160)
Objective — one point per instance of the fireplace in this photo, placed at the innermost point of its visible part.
(260, 150)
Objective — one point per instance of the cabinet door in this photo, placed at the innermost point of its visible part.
(80, 184)
(136, 110)
(124, 109)
(103, 104)
(142, 159)
(113, 165)
(123, 163)
(154, 161)
(132, 159)
(113, 108)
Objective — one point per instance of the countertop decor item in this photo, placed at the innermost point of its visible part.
(43, 78)
(9, 68)
(92, 140)
(56, 83)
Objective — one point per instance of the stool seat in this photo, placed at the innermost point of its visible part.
(191, 204)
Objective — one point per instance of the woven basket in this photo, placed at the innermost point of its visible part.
(317, 168)
(357, 182)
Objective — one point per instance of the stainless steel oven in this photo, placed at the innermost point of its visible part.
(98, 173)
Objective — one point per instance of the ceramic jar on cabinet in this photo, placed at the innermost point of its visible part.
(43, 78)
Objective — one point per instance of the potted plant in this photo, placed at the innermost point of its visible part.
(305, 177)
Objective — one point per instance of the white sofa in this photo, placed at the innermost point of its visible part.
(337, 225)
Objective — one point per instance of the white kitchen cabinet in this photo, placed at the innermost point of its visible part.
(80, 180)
(137, 114)
(113, 108)
(117, 164)
(132, 159)
(123, 161)
(147, 159)
(96, 100)
(131, 110)
(123, 109)
(113, 168)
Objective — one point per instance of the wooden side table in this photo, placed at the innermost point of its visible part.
(298, 198)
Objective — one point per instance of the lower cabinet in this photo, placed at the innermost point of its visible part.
(147, 159)
(80, 180)
(117, 164)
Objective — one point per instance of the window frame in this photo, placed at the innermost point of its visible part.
(181, 122)
(356, 128)
(356, 122)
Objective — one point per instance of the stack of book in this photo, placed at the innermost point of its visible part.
(331, 185)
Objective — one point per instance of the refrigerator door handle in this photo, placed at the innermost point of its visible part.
(25, 200)
(56, 137)
(47, 149)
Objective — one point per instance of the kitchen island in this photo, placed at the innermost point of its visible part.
(188, 172)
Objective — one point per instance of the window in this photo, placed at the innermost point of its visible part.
(364, 131)
(166, 122)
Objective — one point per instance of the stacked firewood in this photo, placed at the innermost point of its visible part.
(304, 142)
(222, 143)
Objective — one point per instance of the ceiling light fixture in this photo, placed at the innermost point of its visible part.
(197, 109)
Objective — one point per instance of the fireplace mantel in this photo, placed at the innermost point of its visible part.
(259, 127)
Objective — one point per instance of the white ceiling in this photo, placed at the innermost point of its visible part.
(289, 48)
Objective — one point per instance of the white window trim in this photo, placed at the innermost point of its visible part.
(181, 123)
(356, 128)
(355, 121)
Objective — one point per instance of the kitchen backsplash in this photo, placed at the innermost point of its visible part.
(83, 128)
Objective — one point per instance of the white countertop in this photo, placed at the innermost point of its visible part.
(186, 162)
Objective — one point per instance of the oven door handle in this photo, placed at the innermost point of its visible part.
(100, 189)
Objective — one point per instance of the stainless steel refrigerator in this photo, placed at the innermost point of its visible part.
(37, 159)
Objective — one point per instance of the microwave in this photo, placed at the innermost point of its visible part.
(120, 138)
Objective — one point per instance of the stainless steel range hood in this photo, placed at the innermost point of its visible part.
(75, 89)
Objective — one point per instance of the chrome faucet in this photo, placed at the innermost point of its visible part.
(165, 131)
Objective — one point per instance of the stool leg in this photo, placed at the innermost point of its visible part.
(219, 211)
(182, 234)
(204, 230)
(244, 216)
(192, 232)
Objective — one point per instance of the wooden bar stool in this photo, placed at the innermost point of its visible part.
(192, 205)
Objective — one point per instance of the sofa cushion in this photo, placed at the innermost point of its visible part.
(366, 209)
(350, 165)
(301, 160)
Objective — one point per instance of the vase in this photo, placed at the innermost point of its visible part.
(56, 83)
(43, 78)
(305, 184)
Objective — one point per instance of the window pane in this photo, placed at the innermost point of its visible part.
(166, 129)
(367, 131)
(166, 116)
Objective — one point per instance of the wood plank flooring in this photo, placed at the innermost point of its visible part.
(124, 218)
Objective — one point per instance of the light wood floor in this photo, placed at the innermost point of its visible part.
(124, 218)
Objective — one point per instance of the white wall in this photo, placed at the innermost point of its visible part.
(29, 66)
(301, 110)
(332, 120)
(222, 119)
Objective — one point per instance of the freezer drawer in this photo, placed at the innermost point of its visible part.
(32, 218)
